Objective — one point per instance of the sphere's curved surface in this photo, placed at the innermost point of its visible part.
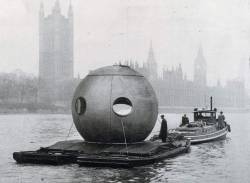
(113, 102)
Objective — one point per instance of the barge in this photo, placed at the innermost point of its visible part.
(105, 155)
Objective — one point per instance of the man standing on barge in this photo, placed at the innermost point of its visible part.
(164, 129)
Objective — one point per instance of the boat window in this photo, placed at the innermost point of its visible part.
(80, 105)
(206, 115)
(122, 106)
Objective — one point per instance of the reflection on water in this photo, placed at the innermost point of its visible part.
(221, 161)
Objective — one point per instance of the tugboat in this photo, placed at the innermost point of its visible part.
(206, 127)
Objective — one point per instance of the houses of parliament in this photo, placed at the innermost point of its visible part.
(56, 60)
(175, 90)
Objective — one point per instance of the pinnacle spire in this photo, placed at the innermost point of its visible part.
(41, 5)
(180, 67)
(200, 52)
(200, 56)
(151, 64)
(57, 3)
(151, 57)
(70, 10)
(200, 68)
(57, 7)
(41, 11)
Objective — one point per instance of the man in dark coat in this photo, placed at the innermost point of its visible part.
(164, 129)
(221, 120)
(184, 120)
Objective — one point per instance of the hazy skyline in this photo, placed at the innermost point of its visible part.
(110, 30)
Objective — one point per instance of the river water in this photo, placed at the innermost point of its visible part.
(222, 161)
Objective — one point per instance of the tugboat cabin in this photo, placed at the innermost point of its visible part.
(205, 115)
(209, 116)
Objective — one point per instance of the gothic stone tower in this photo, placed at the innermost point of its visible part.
(55, 52)
(200, 69)
(200, 79)
(151, 64)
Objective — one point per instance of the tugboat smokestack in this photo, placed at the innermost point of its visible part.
(211, 103)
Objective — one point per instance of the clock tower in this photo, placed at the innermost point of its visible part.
(200, 69)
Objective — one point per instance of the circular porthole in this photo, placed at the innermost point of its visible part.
(122, 106)
(80, 105)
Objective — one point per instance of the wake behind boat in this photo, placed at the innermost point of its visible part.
(206, 126)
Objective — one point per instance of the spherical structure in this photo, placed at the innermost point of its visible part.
(113, 104)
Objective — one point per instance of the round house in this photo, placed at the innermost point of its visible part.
(114, 104)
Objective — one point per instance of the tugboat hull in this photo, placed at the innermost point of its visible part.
(201, 137)
(206, 126)
(218, 135)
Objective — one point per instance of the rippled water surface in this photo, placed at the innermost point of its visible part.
(221, 161)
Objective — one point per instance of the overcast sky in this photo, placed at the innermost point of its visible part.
(109, 30)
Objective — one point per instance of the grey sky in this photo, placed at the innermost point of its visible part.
(109, 30)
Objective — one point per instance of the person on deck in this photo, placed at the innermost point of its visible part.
(184, 120)
(221, 120)
(164, 129)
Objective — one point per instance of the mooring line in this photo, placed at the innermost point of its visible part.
(110, 105)
(124, 134)
(69, 131)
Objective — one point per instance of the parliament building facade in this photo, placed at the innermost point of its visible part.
(57, 82)
(174, 89)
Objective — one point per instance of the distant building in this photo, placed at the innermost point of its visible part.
(200, 69)
(200, 78)
(56, 57)
(151, 64)
(174, 89)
